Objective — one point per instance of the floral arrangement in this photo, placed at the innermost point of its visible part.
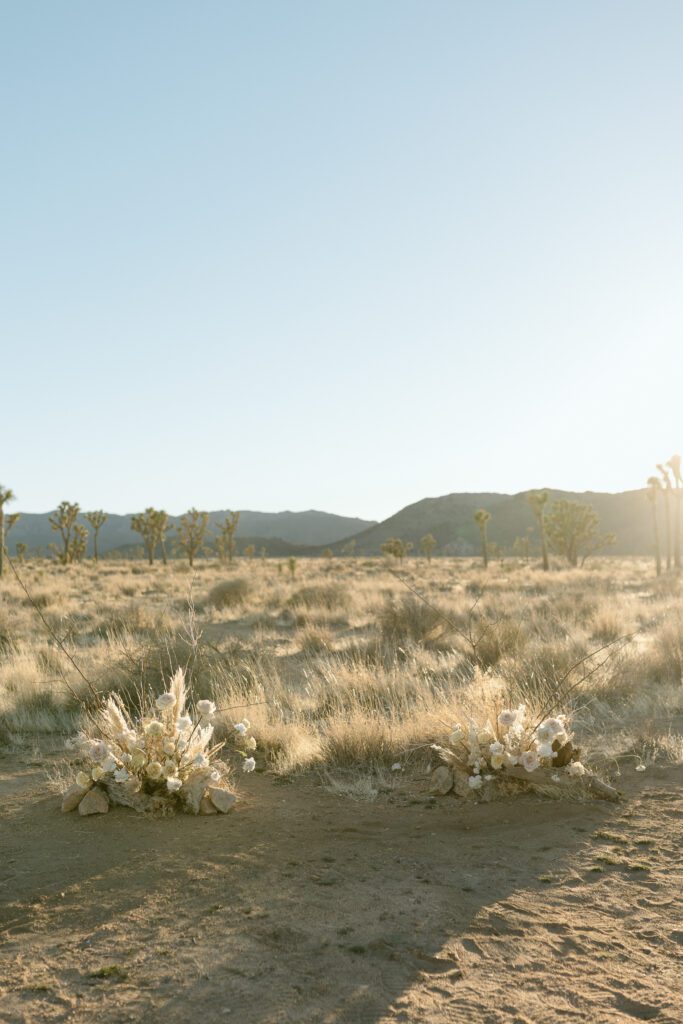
(514, 749)
(164, 761)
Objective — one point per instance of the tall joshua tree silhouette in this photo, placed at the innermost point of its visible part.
(654, 487)
(481, 518)
(674, 465)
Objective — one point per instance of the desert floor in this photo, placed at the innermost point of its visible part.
(338, 890)
(305, 906)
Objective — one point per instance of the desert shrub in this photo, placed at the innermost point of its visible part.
(229, 593)
(40, 599)
(315, 641)
(330, 596)
(412, 619)
(496, 640)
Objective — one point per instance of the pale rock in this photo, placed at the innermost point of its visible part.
(441, 781)
(221, 799)
(194, 788)
(72, 797)
(94, 802)
(206, 807)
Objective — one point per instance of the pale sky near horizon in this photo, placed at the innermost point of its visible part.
(339, 255)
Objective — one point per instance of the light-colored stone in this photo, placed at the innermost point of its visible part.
(206, 806)
(194, 789)
(94, 802)
(128, 796)
(221, 799)
(441, 781)
(73, 796)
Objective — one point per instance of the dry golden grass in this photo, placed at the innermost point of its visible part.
(342, 665)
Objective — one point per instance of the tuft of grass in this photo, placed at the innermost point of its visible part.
(229, 593)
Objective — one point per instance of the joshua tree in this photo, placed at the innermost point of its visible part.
(538, 500)
(191, 531)
(97, 520)
(225, 541)
(291, 565)
(79, 543)
(481, 518)
(21, 552)
(573, 531)
(654, 487)
(250, 551)
(63, 522)
(160, 524)
(145, 523)
(674, 465)
(397, 548)
(328, 553)
(427, 545)
(666, 491)
(6, 495)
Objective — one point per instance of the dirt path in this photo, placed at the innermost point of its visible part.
(305, 907)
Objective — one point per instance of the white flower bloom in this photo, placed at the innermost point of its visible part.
(109, 764)
(99, 750)
(168, 747)
(545, 749)
(83, 779)
(487, 778)
(249, 765)
(121, 775)
(241, 728)
(184, 723)
(200, 761)
(215, 776)
(251, 743)
(169, 768)
(164, 701)
(173, 784)
(496, 748)
(154, 770)
(475, 782)
(154, 728)
(576, 768)
(396, 767)
(181, 745)
(497, 762)
(555, 778)
(507, 718)
(530, 760)
(206, 708)
(641, 768)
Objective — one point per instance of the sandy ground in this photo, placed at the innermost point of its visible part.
(304, 906)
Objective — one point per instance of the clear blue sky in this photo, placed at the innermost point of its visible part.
(340, 255)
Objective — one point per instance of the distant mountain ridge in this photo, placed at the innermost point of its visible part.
(450, 518)
(274, 530)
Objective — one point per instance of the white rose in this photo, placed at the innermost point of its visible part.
(507, 718)
(249, 764)
(121, 775)
(475, 782)
(530, 760)
(576, 768)
(545, 749)
(496, 748)
(241, 728)
(154, 728)
(164, 701)
(184, 723)
(168, 747)
(206, 708)
(173, 784)
(154, 770)
(109, 764)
